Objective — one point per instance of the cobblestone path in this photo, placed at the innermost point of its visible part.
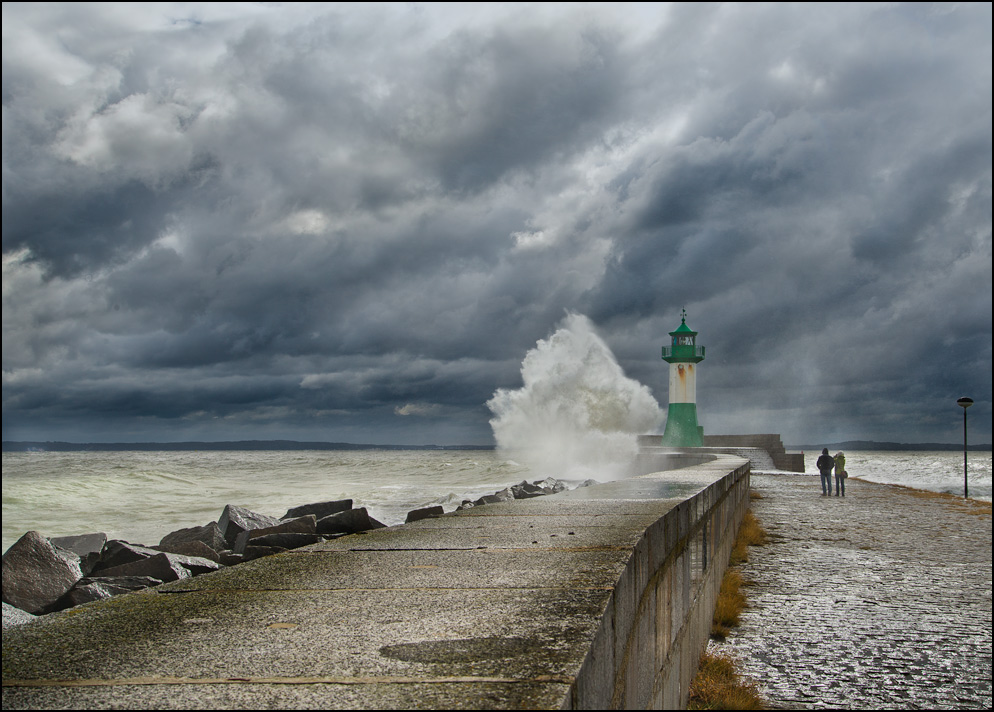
(878, 600)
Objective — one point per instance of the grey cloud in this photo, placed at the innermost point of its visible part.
(295, 219)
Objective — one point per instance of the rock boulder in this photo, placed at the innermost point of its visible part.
(257, 552)
(301, 525)
(121, 553)
(551, 485)
(526, 490)
(89, 548)
(234, 520)
(505, 495)
(98, 588)
(424, 513)
(118, 553)
(162, 566)
(350, 522)
(36, 573)
(210, 535)
(194, 548)
(319, 509)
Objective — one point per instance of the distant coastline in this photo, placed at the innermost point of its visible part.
(234, 445)
(193, 446)
(873, 445)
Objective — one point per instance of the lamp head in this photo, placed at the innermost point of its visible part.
(964, 402)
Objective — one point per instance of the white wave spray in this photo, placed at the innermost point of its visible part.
(577, 415)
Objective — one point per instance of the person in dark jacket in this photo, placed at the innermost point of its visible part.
(826, 463)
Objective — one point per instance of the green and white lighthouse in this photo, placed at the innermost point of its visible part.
(683, 355)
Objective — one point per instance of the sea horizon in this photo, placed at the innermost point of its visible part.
(291, 445)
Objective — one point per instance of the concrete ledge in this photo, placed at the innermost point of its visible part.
(598, 597)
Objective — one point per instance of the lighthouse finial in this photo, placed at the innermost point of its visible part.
(683, 315)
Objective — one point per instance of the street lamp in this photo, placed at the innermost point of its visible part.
(964, 403)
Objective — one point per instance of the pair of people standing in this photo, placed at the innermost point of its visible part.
(826, 463)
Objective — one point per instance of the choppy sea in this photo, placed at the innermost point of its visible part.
(142, 496)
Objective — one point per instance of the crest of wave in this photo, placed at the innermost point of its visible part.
(577, 415)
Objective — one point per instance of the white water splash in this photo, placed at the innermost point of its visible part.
(577, 415)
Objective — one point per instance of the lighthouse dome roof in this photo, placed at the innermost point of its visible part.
(683, 329)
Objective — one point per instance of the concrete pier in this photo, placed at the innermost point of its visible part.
(878, 600)
(599, 597)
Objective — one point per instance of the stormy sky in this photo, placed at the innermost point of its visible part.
(351, 222)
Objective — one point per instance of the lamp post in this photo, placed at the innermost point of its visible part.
(964, 403)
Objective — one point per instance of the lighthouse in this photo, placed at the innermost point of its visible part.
(683, 355)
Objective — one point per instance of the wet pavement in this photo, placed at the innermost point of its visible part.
(878, 600)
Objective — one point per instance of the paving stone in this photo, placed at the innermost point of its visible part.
(877, 600)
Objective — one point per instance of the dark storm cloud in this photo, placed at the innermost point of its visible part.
(351, 222)
(511, 99)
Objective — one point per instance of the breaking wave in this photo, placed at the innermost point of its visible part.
(577, 414)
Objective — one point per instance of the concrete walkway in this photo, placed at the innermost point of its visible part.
(879, 600)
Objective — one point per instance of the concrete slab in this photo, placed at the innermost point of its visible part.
(434, 633)
(418, 569)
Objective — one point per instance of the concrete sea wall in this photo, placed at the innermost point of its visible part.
(770, 442)
(766, 451)
(659, 619)
(600, 597)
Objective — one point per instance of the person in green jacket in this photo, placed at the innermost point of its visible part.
(840, 473)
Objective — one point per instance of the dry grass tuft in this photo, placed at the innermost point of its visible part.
(751, 533)
(718, 687)
(731, 600)
(730, 603)
(751, 530)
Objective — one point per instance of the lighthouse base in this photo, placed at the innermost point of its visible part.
(682, 429)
